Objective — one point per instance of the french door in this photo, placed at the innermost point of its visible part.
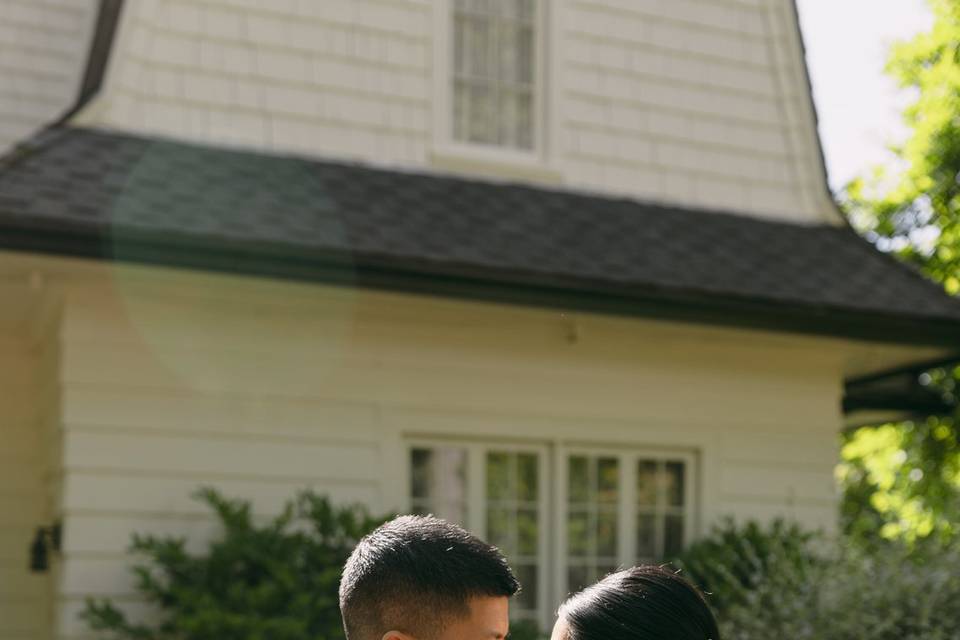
(563, 516)
(500, 492)
(619, 508)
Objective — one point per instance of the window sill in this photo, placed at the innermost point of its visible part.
(494, 163)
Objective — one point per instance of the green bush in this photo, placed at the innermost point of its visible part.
(733, 560)
(850, 595)
(273, 581)
(781, 581)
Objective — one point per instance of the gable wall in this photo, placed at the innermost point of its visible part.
(698, 102)
(259, 388)
(43, 49)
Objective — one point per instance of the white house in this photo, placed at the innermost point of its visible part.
(566, 271)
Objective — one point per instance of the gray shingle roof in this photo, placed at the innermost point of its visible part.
(131, 195)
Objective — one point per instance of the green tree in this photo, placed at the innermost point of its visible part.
(903, 480)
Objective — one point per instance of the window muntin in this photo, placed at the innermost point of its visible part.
(505, 504)
(513, 514)
(623, 509)
(660, 509)
(438, 482)
(607, 509)
(593, 516)
(494, 73)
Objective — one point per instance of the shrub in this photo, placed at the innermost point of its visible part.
(733, 560)
(851, 595)
(781, 581)
(275, 581)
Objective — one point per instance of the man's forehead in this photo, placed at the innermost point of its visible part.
(489, 619)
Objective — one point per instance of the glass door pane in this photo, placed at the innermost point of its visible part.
(513, 513)
(661, 509)
(438, 482)
(592, 518)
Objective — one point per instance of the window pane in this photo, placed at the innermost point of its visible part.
(647, 483)
(516, 53)
(578, 527)
(608, 479)
(420, 509)
(420, 467)
(475, 47)
(515, 118)
(438, 482)
(527, 477)
(524, 124)
(438, 475)
(498, 476)
(450, 475)
(459, 46)
(476, 6)
(527, 532)
(577, 578)
(517, 9)
(578, 479)
(494, 70)
(607, 533)
(527, 575)
(646, 536)
(674, 481)
(673, 537)
(604, 570)
(498, 529)
(513, 517)
(481, 123)
(461, 110)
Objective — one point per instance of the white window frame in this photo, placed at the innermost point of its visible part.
(628, 457)
(553, 480)
(445, 147)
(477, 500)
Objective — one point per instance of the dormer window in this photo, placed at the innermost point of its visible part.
(494, 74)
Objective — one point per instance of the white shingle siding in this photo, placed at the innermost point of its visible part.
(43, 46)
(697, 102)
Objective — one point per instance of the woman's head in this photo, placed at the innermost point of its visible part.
(642, 603)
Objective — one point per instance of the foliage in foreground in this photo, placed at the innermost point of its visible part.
(273, 581)
(902, 481)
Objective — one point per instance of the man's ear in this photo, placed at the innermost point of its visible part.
(397, 635)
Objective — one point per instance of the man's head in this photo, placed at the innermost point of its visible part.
(426, 579)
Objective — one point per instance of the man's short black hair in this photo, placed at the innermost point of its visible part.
(415, 573)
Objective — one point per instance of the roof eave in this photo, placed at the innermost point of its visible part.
(488, 285)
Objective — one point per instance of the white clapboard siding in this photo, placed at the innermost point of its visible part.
(24, 499)
(171, 381)
(698, 102)
(43, 47)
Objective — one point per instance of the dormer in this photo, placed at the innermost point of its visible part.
(696, 103)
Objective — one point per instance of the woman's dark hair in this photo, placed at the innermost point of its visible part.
(642, 603)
